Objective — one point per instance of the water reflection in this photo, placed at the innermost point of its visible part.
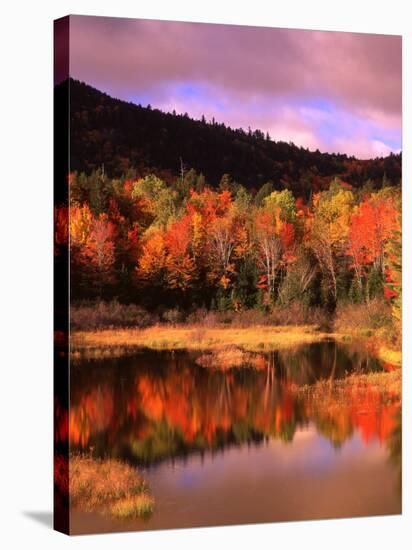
(162, 405)
(221, 446)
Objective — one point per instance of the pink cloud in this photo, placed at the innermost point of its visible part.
(244, 68)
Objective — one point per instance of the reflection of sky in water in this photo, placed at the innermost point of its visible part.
(305, 479)
(310, 454)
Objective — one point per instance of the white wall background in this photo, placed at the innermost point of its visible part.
(26, 270)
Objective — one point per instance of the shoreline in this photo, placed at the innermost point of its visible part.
(387, 383)
(259, 338)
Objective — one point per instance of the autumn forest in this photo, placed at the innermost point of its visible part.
(185, 245)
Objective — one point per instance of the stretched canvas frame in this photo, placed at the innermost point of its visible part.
(203, 385)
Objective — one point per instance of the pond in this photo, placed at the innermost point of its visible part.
(222, 446)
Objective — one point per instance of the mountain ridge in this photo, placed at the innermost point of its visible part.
(122, 136)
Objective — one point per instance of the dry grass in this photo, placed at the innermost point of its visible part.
(363, 318)
(228, 358)
(253, 339)
(139, 506)
(388, 383)
(108, 486)
(385, 349)
(377, 344)
(373, 325)
(107, 352)
(391, 356)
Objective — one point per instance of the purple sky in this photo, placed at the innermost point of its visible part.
(339, 92)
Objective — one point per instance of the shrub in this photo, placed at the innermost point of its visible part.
(103, 315)
(203, 317)
(294, 314)
(361, 317)
(100, 315)
(173, 316)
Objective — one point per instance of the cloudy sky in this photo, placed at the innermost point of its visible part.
(338, 92)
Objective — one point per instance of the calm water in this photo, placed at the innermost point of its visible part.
(239, 445)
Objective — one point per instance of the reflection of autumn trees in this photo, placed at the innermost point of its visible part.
(93, 416)
(157, 412)
(364, 409)
(394, 444)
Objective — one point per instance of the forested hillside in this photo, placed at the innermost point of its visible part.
(136, 140)
(144, 231)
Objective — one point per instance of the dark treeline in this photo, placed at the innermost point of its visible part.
(135, 140)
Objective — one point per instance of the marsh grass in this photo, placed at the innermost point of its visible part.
(138, 506)
(372, 324)
(109, 330)
(385, 383)
(252, 339)
(107, 352)
(108, 486)
(391, 356)
(228, 358)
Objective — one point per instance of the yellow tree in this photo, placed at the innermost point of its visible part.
(151, 264)
(329, 234)
(222, 246)
(269, 247)
(81, 221)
